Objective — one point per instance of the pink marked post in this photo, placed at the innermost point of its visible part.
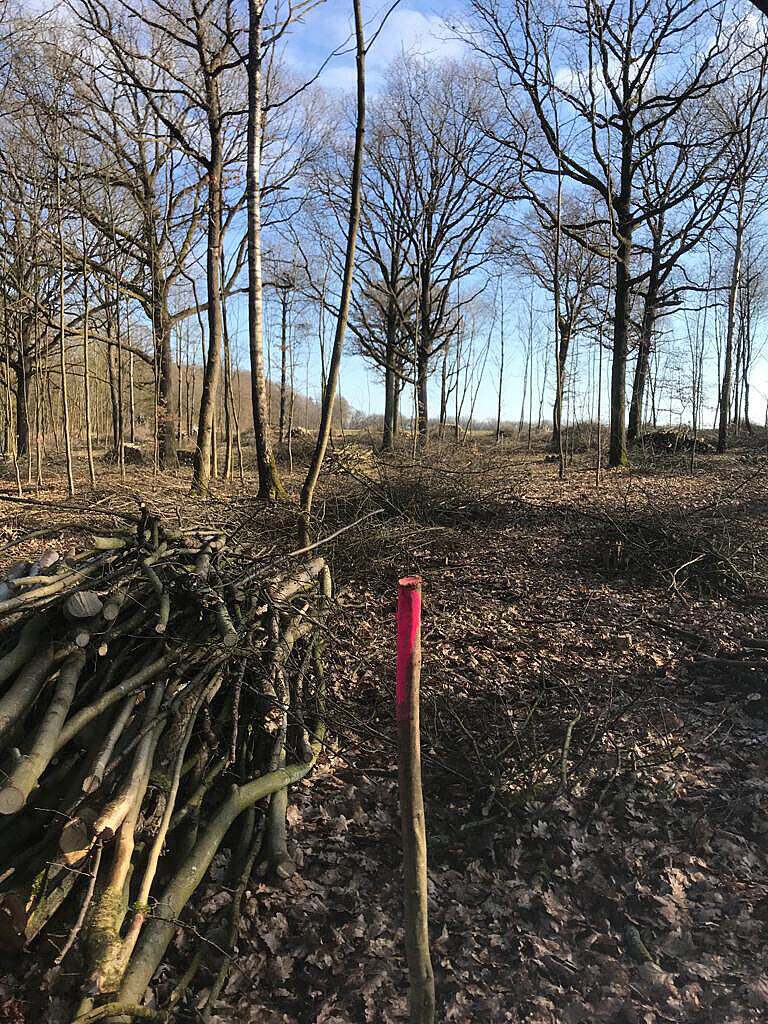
(422, 994)
(408, 630)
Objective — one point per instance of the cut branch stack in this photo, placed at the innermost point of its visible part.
(158, 694)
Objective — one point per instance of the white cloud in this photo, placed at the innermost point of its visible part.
(408, 29)
(330, 26)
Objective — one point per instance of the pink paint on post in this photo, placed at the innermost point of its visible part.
(408, 626)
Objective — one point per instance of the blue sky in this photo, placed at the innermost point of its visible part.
(417, 24)
(420, 25)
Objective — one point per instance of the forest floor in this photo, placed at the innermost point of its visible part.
(596, 791)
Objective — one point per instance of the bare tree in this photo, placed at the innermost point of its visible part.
(161, 196)
(329, 392)
(269, 482)
(741, 111)
(561, 264)
(432, 191)
(625, 74)
(189, 54)
(668, 235)
(752, 304)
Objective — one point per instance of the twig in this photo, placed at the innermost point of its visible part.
(332, 536)
(75, 930)
(566, 749)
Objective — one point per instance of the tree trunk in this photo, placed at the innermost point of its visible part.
(23, 388)
(525, 386)
(739, 349)
(543, 390)
(501, 374)
(640, 379)
(283, 361)
(443, 395)
(215, 435)
(652, 385)
(22, 406)
(269, 481)
(166, 427)
(112, 378)
(390, 401)
(62, 345)
(178, 390)
(131, 401)
(326, 412)
(6, 399)
(87, 399)
(561, 336)
(120, 410)
(725, 394)
(617, 453)
(423, 352)
(202, 465)
(8, 442)
(229, 403)
(561, 355)
(650, 312)
(747, 361)
(390, 378)
(189, 388)
(747, 421)
(291, 401)
(36, 339)
(422, 411)
(456, 388)
(118, 398)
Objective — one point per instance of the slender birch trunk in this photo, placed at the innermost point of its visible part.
(62, 344)
(326, 412)
(501, 372)
(86, 326)
(283, 362)
(733, 289)
(269, 481)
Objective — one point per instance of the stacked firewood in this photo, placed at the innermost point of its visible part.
(159, 692)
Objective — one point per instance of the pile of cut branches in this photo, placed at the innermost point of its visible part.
(671, 442)
(159, 692)
(451, 488)
(706, 551)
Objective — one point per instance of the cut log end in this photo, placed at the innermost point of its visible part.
(111, 610)
(75, 841)
(48, 558)
(11, 800)
(83, 604)
(91, 783)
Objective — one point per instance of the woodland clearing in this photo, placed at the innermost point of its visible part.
(594, 720)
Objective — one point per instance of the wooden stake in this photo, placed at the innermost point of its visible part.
(422, 995)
